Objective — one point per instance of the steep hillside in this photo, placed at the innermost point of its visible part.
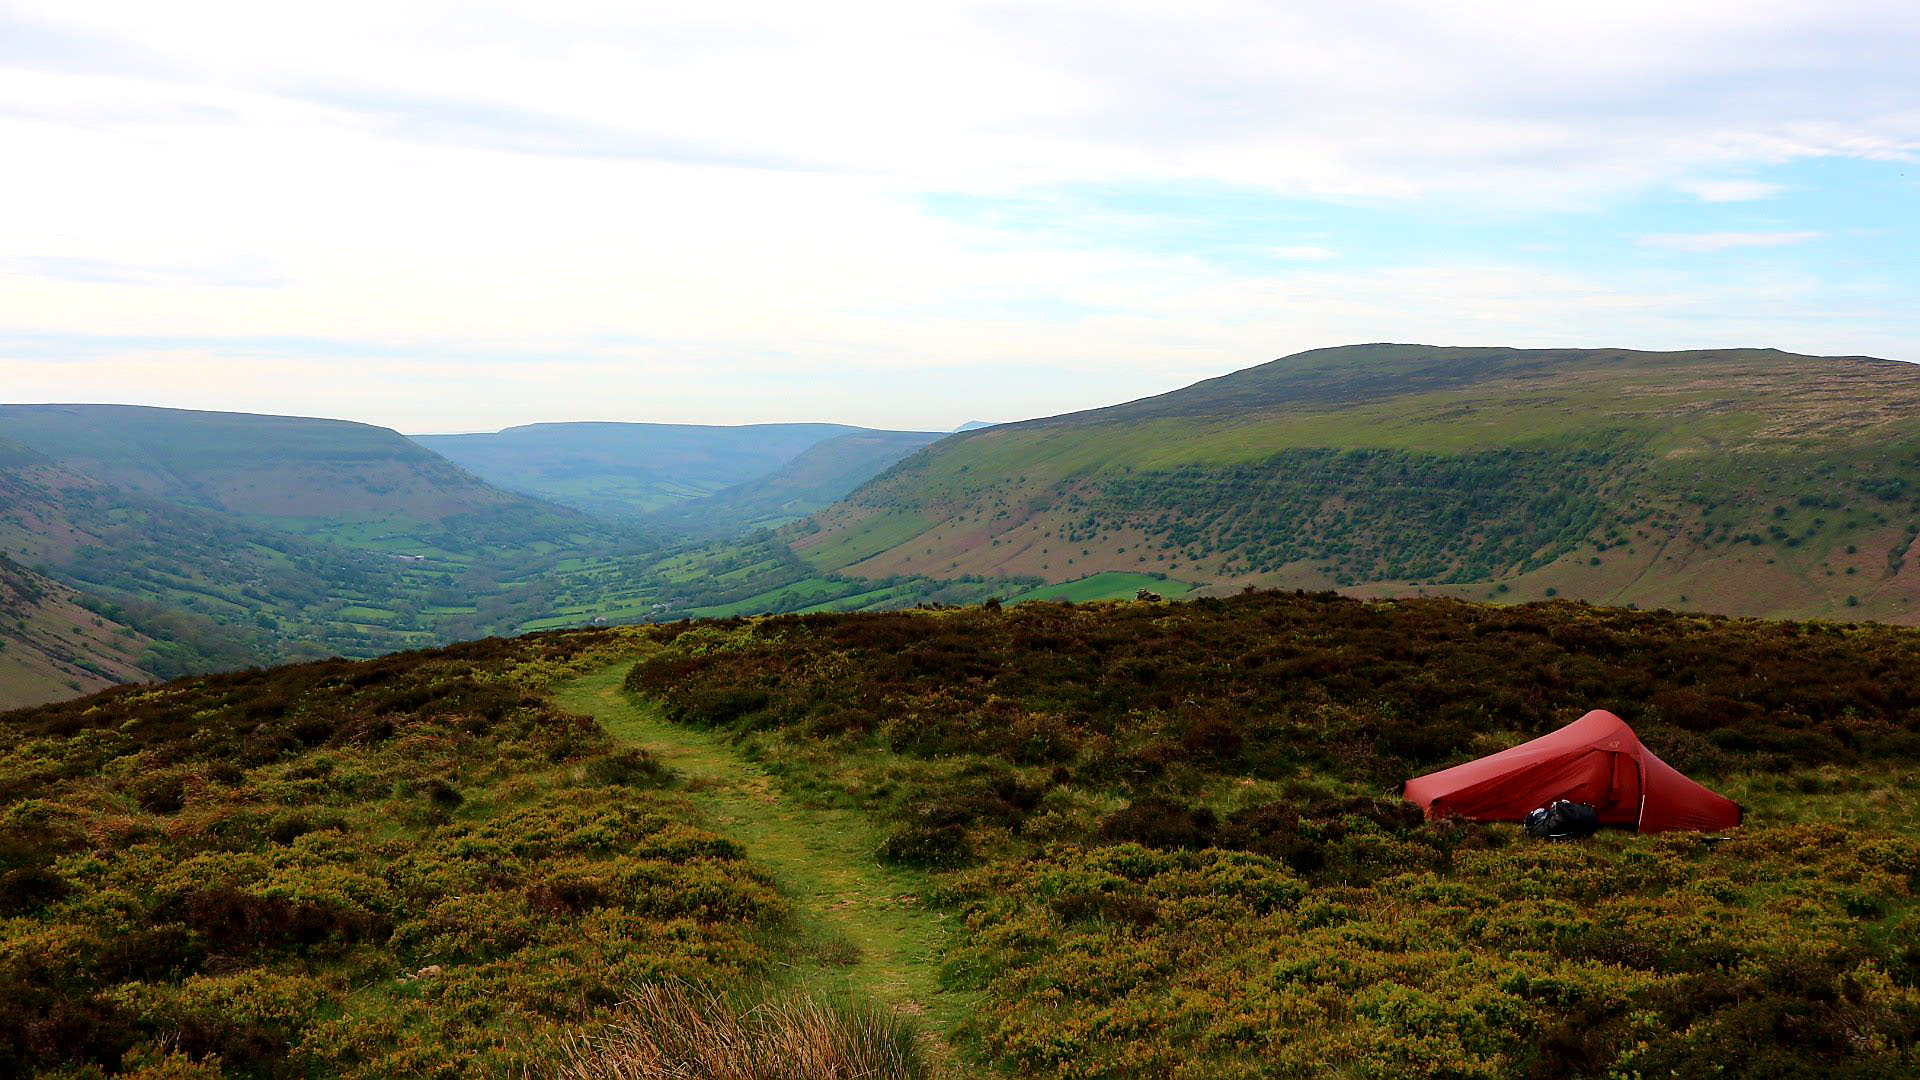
(624, 470)
(52, 647)
(821, 474)
(1745, 481)
(234, 539)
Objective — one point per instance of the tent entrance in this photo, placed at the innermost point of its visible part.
(1607, 780)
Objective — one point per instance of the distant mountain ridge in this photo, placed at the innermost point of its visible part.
(624, 470)
(1749, 481)
(699, 479)
(266, 466)
(820, 475)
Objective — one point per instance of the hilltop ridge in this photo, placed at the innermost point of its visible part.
(252, 464)
(1748, 481)
(1188, 809)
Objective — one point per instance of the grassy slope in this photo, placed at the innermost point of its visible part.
(52, 648)
(1107, 586)
(625, 470)
(1338, 467)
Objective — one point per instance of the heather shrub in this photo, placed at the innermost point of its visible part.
(412, 866)
(928, 845)
(1214, 878)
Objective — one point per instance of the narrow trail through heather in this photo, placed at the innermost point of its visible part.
(823, 858)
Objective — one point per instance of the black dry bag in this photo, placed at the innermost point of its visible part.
(1563, 820)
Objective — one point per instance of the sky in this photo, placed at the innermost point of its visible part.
(463, 216)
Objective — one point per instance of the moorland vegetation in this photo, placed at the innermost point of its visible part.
(408, 866)
(1164, 835)
(1172, 834)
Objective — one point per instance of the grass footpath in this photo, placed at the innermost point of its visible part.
(823, 858)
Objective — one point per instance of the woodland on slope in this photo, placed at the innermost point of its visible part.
(1742, 481)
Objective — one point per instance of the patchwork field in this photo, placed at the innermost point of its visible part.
(1108, 586)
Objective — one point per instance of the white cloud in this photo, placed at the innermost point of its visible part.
(717, 211)
(1720, 241)
(1727, 191)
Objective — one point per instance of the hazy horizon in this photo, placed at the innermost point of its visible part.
(451, 218)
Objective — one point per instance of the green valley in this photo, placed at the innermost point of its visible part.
(1741, 481)
(223, 540)
(817, 477)
(622, 470)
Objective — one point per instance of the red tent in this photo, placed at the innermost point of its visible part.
(1595, 760)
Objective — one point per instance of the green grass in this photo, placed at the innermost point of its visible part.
(1399, 466)
(823, 858)
(1113, 585)
(865, 601)
(886, 530)
(366, 613)
(777, 598)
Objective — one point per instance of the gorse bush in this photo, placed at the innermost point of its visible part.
(1626, 956)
